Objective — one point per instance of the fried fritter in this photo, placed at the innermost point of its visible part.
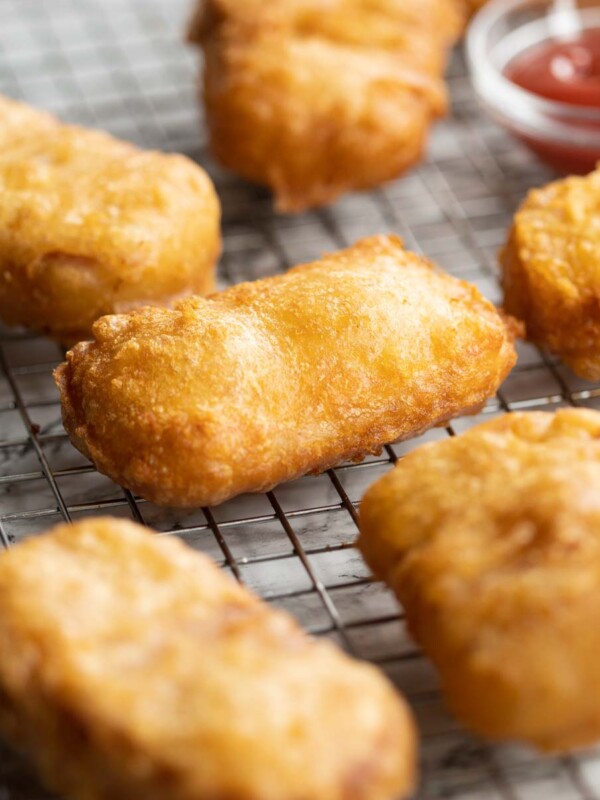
(131, 667)
(491, 540)
(90, 225)
(474, 5)
(269, 380)
(552, 270)
(317, 97)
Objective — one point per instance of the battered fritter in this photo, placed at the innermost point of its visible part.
(90, 225)
(131, 667)
(317, 97)
(474, 5)
(552, 270)
(269, 380)
(491, 540)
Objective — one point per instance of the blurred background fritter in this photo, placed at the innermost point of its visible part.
(551, 270)
(314, 99)
(91, 225)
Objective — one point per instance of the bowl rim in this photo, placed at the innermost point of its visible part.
(515, 106)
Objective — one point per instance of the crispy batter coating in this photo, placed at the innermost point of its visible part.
(552, 270)
(491, 541)
(133, 668)
(90, 225)
(317, 97)
(269, 380)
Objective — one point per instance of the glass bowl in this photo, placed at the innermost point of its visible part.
(566, 136)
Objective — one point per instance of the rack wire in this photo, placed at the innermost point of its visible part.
(121, 65)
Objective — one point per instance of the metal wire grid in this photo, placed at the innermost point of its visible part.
(120, 65)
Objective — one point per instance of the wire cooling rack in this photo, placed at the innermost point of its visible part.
(121, 65)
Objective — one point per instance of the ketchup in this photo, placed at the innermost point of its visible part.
(568, 71)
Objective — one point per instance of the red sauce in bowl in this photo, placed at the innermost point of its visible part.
(568, 71)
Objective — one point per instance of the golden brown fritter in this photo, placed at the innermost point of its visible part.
(90, 225)
(474, 5)
(131, 667)
(552, 270)
(317, 97)
(491, 540)
(269, 380)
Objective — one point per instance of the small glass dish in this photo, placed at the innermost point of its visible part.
(564, 135)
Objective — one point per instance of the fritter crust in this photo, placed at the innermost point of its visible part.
(269, 380)
(317, 97)
(90, 225)
(551, 270)
(133, 668)
(491, 540)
